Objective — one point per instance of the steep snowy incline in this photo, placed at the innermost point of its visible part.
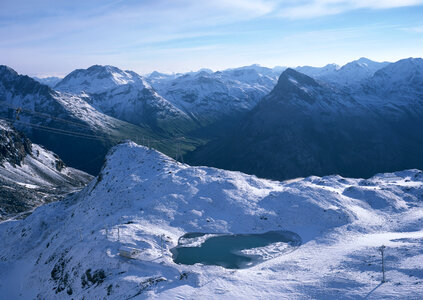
(124, 95)
(209, 96)
(144, 199)
(400, 83)
(97, 79)
(31, 175)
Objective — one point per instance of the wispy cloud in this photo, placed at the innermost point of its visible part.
(176, 35)
(417, 29)
(318, 8)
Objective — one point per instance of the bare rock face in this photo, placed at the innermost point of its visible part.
(30, 175)
(13, 145)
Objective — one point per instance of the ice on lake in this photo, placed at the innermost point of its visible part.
(233, 251)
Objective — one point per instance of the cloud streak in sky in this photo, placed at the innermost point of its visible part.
(177, 35)
(318, 8)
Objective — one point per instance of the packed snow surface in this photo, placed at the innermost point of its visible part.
(145, 200)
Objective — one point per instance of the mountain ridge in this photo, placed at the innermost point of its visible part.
(306, 126)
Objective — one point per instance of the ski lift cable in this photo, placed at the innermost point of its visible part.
(82, 135)
(78, 124)
(59, 131)
(45, 115)
(41, 114)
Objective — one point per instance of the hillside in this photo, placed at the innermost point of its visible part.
(68, 125)
(308, 127)
(212, 97)
(124, 95)
(30, 175)
(143, 199)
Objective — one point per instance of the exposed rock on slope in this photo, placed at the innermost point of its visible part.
(30, 175)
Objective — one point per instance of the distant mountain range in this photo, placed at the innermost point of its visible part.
(278, 123)
(349, 75)
(209, 96)
(309, 126)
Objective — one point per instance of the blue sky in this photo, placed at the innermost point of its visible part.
(53, 37)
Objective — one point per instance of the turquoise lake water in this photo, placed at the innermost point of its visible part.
(223, 250)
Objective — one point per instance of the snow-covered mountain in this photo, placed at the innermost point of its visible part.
(62, 122)
(143, 199)
(50, 81)
(97, 79)
(209, 96)
(30, 175)
(156, 77)
(400, 81)
(348, 76)
(124, 95)
(395, 93)
(355, 72)
(318, 72)
(172, 102)
(306, 126)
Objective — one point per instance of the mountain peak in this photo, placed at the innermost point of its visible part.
(294, 85)
(369, 66)
(23, 84)
(399, 76)
(364, 60)
(296, 78)
(411, 61)
(97, 79)
(7, 72)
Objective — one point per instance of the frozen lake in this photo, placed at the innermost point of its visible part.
(233, 251)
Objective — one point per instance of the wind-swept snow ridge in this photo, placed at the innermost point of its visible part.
(146, 200)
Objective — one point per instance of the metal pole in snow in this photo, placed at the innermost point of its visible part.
(382, 251)
(162, 244)
(118, 234)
